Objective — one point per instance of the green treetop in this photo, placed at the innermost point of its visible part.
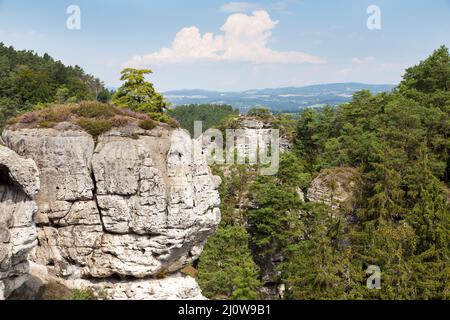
(138, 94)
(430, 75)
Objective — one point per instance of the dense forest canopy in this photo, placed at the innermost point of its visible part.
(209, 114)
(396, 146)
(27, 80)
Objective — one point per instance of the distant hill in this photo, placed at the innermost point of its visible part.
(289, 99)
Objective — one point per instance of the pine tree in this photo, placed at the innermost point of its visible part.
(138, 94)
(317, 266)
(226, 268)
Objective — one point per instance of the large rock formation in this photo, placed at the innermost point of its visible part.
(135, 204)
(174, 287)
(258, 134)
(19, 183)
(334, 187)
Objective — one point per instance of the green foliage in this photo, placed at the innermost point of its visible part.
(164, 118)
(49, 115)
(94, 110)
(286, 124)
(209, 114)
(231, 122)
(400, 219)
(431, 75)
(147, 124)
(292, 172)
(94, 117)
(46, 124)
(234, 191)
(94, 127)
(62, 95)
(9, 108)
(316, 265)
(81, 294)
(273, 219)
(138, 94)
(397, 142)
(260, 113)
(226, 269)
(27, 79)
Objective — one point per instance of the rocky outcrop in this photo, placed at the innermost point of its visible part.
(135, 204)
(258, 135)
(253, 137)
(41, 285)
(19, 183)
(174, 287)
(334, 187)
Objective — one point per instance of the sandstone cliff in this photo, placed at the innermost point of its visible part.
(136, 204)
(335, 187)
(19, 183)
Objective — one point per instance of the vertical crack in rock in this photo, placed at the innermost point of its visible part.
(94, 195)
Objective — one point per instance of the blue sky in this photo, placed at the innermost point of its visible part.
(223, 45)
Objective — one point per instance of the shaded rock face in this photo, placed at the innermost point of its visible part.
(19, 183)
(128, 206)
(334, 187)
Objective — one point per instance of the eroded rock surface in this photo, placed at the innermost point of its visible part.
(130, 206)
(173, 287)
(19, 183)
(334, 187)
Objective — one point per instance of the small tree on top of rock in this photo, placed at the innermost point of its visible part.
(138, 94)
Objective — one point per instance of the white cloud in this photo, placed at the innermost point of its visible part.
(234, 7)
(244, 38)
(363, 61)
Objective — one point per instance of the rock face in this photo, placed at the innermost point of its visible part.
(256, 128)
(43, 286)
(334, 187)
(19, 183)
(131, 205)
(175, 287)
(254, 137)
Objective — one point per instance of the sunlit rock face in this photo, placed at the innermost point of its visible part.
(19, 183)
(173, 287)
(134, 203)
